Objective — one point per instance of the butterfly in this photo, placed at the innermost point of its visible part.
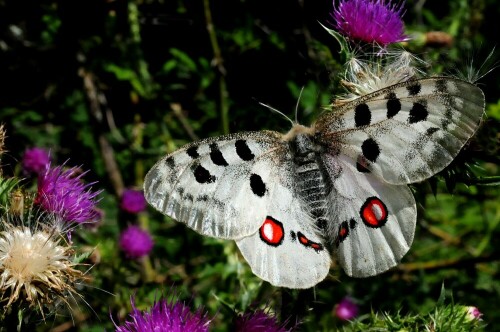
(338, 189)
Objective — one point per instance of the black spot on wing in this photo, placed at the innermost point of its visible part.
(418, 112)
(447, 120)
(170, 162)
(188, 197)
(362, 165)
(202, 198)
(257, 185)
(431, 131)
(352, 223)
(393, 105)
(243, 151)
(362, 169)
(321, 223)
(370, 149)
(414, 88)
(193, 152)
(216, 155)
(362, 115)
(202, 175)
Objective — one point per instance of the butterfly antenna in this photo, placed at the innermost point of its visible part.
(297, 105)
(279, 112)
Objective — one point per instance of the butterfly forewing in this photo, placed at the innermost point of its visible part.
(407, 132)
(217, 186)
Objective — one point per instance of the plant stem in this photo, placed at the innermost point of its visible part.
(107, 151)
(218, 63)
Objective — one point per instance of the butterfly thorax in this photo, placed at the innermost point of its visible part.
(312, 182)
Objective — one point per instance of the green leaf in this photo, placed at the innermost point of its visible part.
(344, 46)
(80, 258)
(442, 296)
(6, 188)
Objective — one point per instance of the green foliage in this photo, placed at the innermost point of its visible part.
(6, 188)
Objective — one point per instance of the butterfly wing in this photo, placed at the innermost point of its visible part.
(241, 187)
(406, 132)
(373, 222)
(287, 250)
(216, 186)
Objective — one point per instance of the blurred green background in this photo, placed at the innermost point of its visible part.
(114, 85)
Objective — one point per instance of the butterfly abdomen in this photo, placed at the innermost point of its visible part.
(311, 183)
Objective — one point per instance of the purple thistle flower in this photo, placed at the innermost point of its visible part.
(259, 321)
(165, 316)
(63, 193)
(35, 160)
(371, 21)
(346, 309)
(135, 242)
(133, 201)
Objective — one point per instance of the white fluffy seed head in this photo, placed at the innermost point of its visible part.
(36, 265)
(363, 77)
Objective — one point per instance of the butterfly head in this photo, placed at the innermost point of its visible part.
(297, 130)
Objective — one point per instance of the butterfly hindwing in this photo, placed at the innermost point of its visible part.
(406, 132)
(287, 250)
(219, 186)
(375, 221)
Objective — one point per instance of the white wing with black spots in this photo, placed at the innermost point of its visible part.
(218, 186)
(242, 187)
(406, 132)
(375, 221)
(288, 249)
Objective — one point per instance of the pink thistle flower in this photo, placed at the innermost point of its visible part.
(165, 316)
(473, 313)
(35, 160)
(63, 193)
(371, 21)
(133, 201)
(259, 321)
(346, 309)
(136, 242)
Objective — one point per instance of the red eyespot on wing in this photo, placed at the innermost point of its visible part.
(304, 240)
(343, 233)
(374, 212)
(271, 232)
(308, 243)
(316, 246)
